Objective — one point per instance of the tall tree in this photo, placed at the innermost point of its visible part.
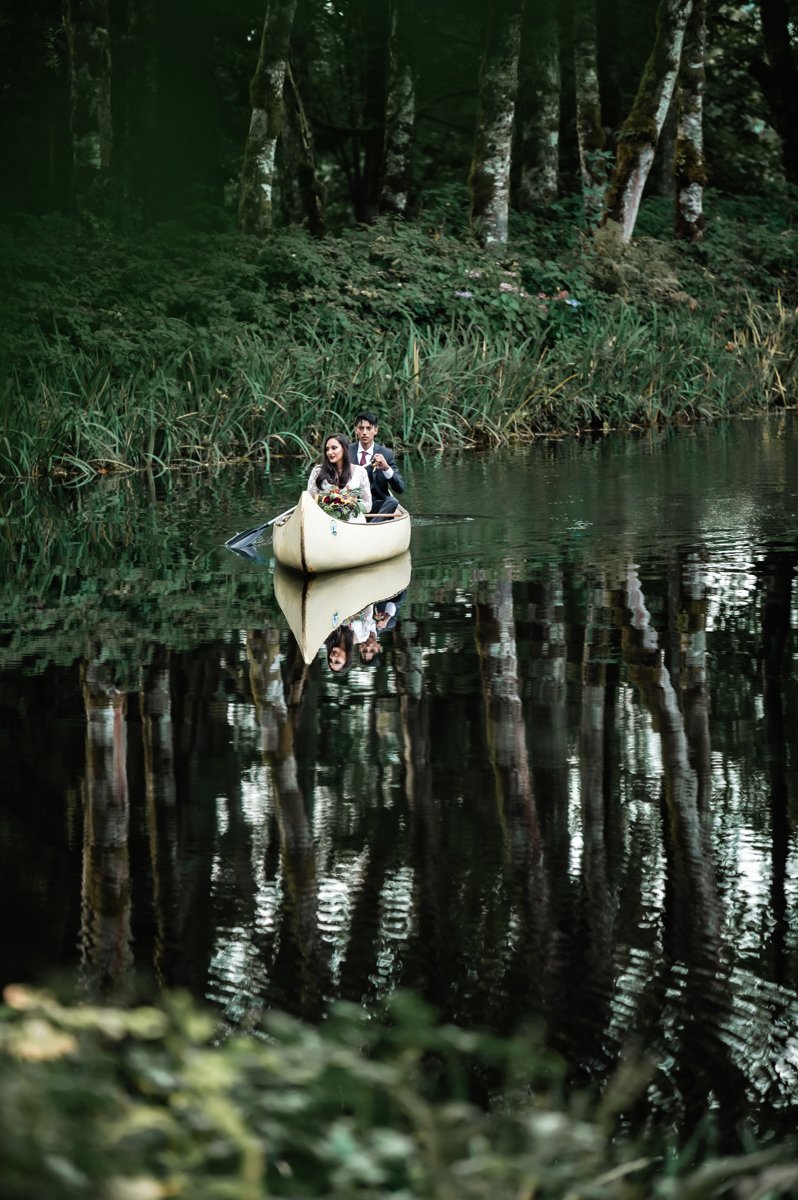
(641, 129)
(498, 88)
(266, 97)
(400, 112)
(537, 136)
(89, 41)
(689, 170)
(777, 76)
(311, 190)
(589, 129)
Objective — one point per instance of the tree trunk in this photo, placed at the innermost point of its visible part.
(155, 702)
(106, 944)
(689, 171)
(778, 79)
(662, 173)
(641, 129)
(538, 126)
(89, 45)
(369, 142)
(400, 114)
(505, 733)
(589, 129)
(310, 186)
(266, 98)
(490, 170)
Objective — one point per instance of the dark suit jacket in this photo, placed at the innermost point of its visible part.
(380, 486)
(379, 606)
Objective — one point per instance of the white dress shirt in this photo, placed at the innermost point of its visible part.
(369, 453)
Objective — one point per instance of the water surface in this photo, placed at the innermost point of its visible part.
(566, 792)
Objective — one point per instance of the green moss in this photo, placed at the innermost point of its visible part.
(689, 166)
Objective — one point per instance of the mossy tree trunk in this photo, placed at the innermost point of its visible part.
(641, 129)
(589, 129)
(689, 170)
(266, 97)
(778, 79)
(311, 190)
(537, 138)
(400, 113)
(89, 48)
(490, 170)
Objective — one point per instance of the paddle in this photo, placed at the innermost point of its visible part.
(240, 541)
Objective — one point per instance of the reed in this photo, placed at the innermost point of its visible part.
(73, 412)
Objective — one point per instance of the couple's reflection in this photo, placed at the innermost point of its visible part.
(348, 612)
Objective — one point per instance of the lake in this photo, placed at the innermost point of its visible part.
(564, 793)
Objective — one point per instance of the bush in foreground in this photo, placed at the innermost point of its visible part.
(149, 1103)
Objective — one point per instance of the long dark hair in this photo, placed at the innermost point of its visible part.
(344, 638)
(328, 473)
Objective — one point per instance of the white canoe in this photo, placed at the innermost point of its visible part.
(315, 607)
(311, 541)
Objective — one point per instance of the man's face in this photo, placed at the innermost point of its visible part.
(369, 649)
(366, 433)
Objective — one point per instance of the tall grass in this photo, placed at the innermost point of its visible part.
(259, 350)
(432, 389)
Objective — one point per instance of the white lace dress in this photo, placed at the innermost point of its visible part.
(358, 480)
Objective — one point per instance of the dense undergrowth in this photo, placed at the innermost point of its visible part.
(178, 348)
(146, 1103)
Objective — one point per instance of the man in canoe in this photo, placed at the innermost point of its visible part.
(379, 463)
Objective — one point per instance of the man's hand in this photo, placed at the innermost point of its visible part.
(380, 462)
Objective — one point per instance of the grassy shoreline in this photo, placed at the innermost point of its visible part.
(191, 350)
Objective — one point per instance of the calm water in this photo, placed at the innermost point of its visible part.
(565, 793)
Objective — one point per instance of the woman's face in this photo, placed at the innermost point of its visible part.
(335, 452)
(337, 658)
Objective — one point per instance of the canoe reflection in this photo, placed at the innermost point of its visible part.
(318, 606)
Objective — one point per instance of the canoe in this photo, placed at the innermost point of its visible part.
(311, 541)
(315, 606)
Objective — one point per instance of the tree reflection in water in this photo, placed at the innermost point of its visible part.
(562, 795)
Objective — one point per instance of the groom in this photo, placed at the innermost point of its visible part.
(380, 464)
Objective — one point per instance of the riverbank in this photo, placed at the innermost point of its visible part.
(180, 348)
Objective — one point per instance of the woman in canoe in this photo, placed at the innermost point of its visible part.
(336, 471)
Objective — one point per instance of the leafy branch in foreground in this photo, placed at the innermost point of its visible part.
(149, 1103)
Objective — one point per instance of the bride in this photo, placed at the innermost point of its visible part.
(336, 471)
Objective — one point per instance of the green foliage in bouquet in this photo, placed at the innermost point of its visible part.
(341, 503)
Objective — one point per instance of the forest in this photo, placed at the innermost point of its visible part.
(224, 227)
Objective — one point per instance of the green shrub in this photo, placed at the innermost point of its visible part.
(154, 1103)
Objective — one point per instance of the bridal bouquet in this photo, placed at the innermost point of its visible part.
(341, 503)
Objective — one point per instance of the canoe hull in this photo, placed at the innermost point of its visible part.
(315, 606)
(312, 542)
